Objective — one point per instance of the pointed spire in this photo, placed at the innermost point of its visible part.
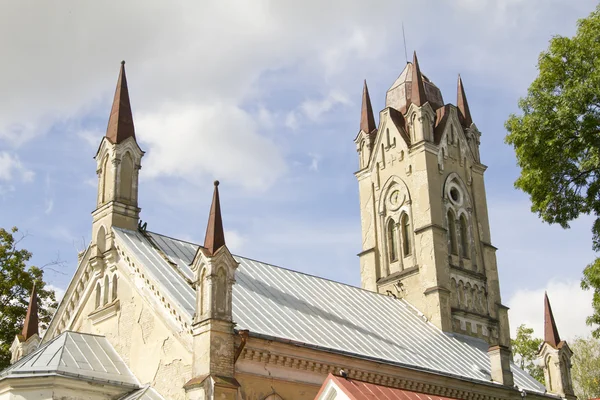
(550, 332)
(417, 96)
(461, 103)
(30, 327)
(367, 120)
(215, 238)
(120, 123)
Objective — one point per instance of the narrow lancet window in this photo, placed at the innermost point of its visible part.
(106, 283)
(464, 236)
(452, 233)
(392, 243)
(405, 223)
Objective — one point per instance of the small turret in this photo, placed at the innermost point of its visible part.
(213, 336)
(118, 164)
(554, 357)
(29, 339)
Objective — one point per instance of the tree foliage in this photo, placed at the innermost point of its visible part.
(557, 138)
(586, 367)
(525, 348)
(16, 283)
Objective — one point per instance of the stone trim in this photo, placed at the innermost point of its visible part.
(367, 251)
(486, 244)
(468, 272)
(399, 275)
(429, 226)
(435, 289)
(105, 312)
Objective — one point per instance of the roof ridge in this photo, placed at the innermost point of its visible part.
(277, 266)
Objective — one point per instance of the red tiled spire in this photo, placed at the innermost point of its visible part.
(463, 106)
(417, 95)
(550, 332)
(30, 327)
(367, 120)
(120, 123)
(215, 238)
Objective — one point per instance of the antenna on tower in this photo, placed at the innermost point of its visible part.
(404, 37)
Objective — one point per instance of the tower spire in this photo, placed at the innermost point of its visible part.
(367, 120)
(462, 104)
(215, 238)
(550, 332)
(30, 327)
(120, 123)
(417, 96)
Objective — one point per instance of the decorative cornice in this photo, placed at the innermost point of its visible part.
(429, 226)
(399, 275)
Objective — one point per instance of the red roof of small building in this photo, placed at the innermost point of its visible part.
(359, 390)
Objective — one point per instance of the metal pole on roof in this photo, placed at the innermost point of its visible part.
(404, 38)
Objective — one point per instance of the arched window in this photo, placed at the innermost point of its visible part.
(98, 294)
(114, 288)
(453, 293)
(221, 292)
(464, 236)
(452, 232)
(101, 240)
(105, 297)
(125, 186)
(392, 243)
(202, 300)
(405, 223)
(103, 189)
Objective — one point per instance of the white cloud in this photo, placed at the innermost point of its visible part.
(58, 291)
(235, 241)
(90, 137)
(217, 140)
(314, 109)
(570, 306)
(11, 168)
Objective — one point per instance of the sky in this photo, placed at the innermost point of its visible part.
(265, 96)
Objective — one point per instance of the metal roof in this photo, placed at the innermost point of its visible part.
(145, 393)
(289, 305)
(78, 355)
(359, 390)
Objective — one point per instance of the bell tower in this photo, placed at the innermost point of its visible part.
(425, 229)
(118, 163)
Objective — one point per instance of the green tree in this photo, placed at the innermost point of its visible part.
(586, 367)
(525, 348)
(557, 138)
(16, 283)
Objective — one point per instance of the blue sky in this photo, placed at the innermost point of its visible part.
(265, 96)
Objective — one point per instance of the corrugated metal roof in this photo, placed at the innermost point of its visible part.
(290, 305)
(80, 355)
(146, 393)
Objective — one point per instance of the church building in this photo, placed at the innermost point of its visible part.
(151, 317)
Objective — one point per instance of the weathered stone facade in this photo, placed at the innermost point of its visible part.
(425, 228)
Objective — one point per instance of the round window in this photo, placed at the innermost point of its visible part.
(455, 195)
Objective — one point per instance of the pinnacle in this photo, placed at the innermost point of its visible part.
(215, 237)
(417, 96)
(550, 332)
(462, 104)
(30, 326)
(367, 120)
(120, 123)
